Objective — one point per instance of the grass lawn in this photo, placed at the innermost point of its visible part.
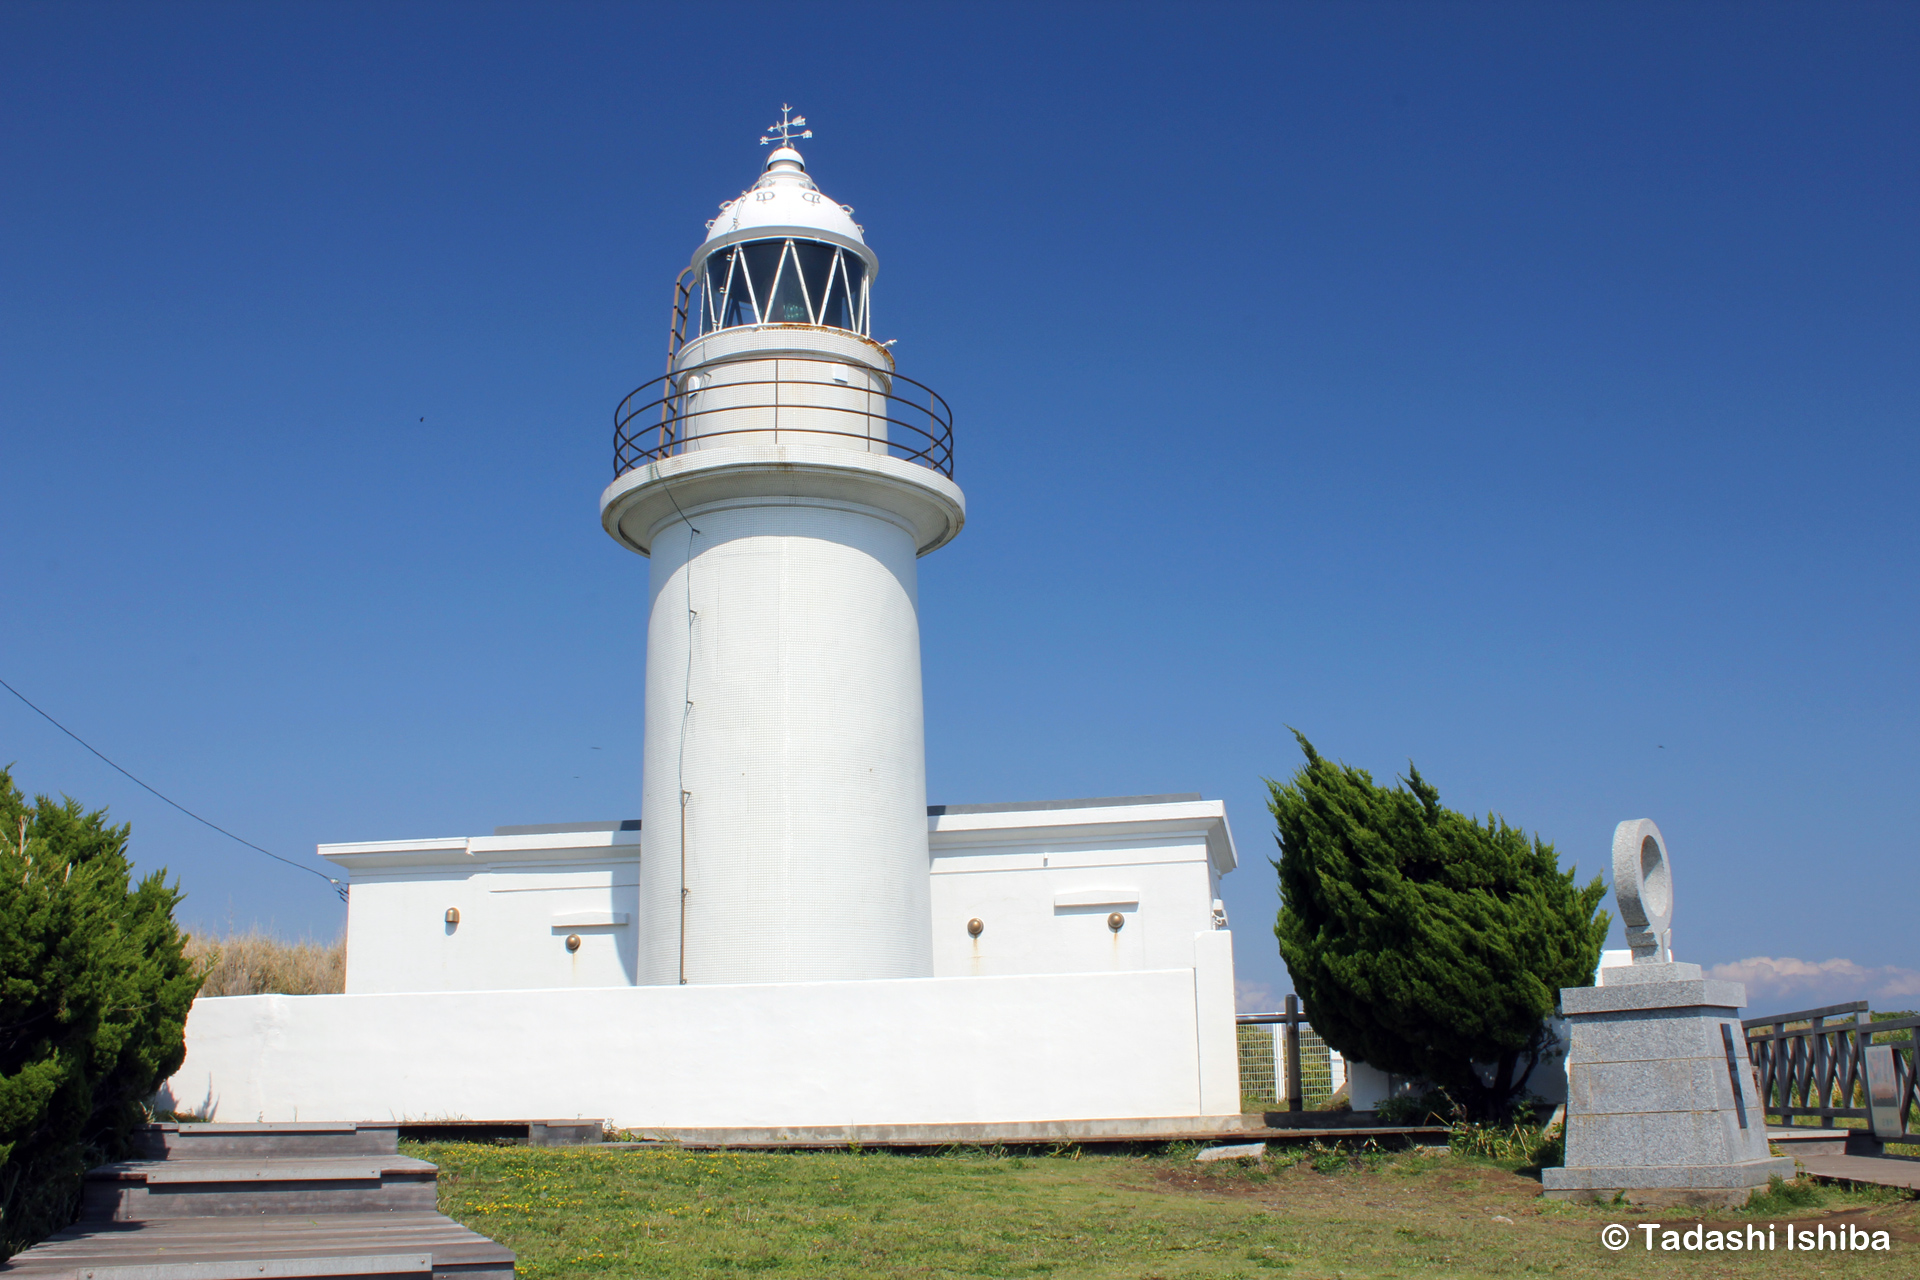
(588, 1212)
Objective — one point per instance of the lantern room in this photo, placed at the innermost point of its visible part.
(779, 253)
(770, 341)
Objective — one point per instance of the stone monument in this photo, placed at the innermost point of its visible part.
(1663, 1106)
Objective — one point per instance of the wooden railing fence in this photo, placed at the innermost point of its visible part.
(1837, 1063)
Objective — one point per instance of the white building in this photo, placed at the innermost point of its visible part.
(792, 937)
(1069, 886)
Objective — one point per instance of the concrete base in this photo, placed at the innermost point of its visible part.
(1663, 1105)
(1668, 1186)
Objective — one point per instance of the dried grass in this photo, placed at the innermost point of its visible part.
(254, 963)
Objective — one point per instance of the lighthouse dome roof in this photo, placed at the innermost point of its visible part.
(785, 201)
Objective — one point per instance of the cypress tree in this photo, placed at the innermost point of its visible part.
(94, 992)
(1421, 940)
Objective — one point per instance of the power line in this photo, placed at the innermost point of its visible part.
(338, 887)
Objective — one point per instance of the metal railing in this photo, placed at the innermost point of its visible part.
(665, 417)
(1818, 1062)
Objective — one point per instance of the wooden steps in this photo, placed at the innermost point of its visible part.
(258, 1141)
(266, 1246)
(143, 1190)
(263, 1202)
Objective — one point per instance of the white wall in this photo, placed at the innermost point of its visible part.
(908, 1051)
(519, 897)
(1043, 880)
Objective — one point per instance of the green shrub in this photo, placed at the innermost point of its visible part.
(1422, 940)
(1435, 1106)
(1784, 1197)
(94, 992)
(1520, 1143)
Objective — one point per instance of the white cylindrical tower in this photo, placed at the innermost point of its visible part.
(784, 479)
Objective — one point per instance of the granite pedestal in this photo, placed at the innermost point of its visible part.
(1663, 1106)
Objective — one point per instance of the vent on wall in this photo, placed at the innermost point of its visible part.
(1097, 898)
(587, 919)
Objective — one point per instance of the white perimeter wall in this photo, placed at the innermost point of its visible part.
(906, 1051)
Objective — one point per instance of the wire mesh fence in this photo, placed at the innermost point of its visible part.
(1263, 1069)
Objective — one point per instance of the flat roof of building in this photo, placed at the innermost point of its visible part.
(933, 811)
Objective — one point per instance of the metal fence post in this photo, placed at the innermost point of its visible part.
(1294, 1100)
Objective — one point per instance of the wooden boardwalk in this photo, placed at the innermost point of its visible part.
(1846, 1155)
(1884, 1171)
(1273, 1126)
(263, 1202)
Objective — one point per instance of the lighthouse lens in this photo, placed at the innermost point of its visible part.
(789, 293)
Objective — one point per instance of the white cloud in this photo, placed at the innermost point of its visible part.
(1255, 997)
(1776, 981)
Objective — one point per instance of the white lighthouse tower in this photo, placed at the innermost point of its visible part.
(783, 478)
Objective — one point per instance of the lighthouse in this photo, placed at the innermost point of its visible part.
(783, 479)
(1006, 968)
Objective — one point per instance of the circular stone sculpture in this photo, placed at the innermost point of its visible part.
(1643, 886)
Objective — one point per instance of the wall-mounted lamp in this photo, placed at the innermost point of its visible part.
(573, 942)
(1116, 922)
(974, 926)
(453, 915)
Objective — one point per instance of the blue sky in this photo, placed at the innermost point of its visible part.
(1526, 391)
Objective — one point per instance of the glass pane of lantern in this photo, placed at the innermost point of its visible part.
(856, 269)
(740, 304)
(838, 311)
(789, 296)
(816, 264)
(763, 258)
(718, 265)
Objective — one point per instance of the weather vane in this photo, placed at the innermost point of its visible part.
(782, 130)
